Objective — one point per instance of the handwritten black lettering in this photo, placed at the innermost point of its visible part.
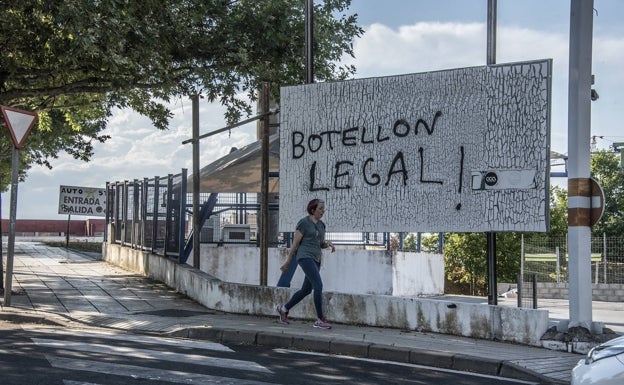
(375, 176)
(315, 139)
(422, 122)
(401, 170)
(401, 123)
(364, 135)
(340, 174)
(313, 178)
(348, 140)
(298, 149)
(422, 168)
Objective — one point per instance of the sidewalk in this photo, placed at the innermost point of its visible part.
(53, 285)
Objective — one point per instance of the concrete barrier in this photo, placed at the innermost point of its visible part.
(353, 271)
(504, 323)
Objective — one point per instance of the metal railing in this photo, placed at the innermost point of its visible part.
(155, 214)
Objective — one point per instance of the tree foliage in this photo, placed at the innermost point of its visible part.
(605, 168)
(73, 61)
(429, 243)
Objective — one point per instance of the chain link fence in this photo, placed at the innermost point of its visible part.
(548, 260)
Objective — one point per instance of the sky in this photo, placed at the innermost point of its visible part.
(401, 37)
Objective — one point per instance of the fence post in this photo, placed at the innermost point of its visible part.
(124, 214)
(521, 256)
(558, 265)
(155, 214)
(169, 207)
(135, 214)
(182, 216)
(604, 256)
(534, 284)
(519, 289)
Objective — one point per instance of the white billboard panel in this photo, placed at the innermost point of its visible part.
(462, 150)
(87, 201)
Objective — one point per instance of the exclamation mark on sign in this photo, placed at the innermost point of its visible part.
(461, 176)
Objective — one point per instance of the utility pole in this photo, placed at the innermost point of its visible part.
(491, 236)
(579, 182)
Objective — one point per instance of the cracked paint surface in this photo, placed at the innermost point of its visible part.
(463, 150)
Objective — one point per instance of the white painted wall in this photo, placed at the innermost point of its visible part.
(504, 323)
(350, 271)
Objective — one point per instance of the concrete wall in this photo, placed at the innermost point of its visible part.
(612, 292)
(345, 271)
(466, 319)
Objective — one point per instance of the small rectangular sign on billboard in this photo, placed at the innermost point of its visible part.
(87, 201)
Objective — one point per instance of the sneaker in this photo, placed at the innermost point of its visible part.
(322, 324)
(283, 314)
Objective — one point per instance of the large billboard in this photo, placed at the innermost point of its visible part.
(461, 150)
(87, 201)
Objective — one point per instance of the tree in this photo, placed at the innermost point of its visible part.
(605, 168)
(74, 61)
(429, 243)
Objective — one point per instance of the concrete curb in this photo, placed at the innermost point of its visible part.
(26, 317)
(330, 345)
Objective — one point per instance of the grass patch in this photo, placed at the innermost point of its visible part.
(94, 247)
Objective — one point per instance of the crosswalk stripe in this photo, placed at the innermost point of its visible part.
(146, 373)
(195, 359)
(136, 338)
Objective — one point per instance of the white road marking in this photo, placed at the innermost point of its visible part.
(146, 373)
(124, 351)
(135, 338)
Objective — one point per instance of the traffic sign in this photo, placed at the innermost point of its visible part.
(19, 122)
(597, 202)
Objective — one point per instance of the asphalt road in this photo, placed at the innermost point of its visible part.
(36, 354)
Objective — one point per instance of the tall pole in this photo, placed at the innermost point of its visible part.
(196, 219)
(579, 133)
(264, 210)
(309, 41)
(491, 236)
(12, 220)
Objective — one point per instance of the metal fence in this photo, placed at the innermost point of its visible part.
(548, 259)
(155, 214)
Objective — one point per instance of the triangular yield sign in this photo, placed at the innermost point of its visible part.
(19, 122)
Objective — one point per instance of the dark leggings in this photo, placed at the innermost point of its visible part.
(311, 282)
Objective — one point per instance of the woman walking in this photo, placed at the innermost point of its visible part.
(308, 241)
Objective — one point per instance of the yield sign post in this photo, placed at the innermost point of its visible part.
(19, 124)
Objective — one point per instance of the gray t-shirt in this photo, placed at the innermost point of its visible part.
(313, 238)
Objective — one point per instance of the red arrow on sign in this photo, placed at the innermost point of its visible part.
(19, 122)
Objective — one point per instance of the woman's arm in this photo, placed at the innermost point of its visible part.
(293, 249)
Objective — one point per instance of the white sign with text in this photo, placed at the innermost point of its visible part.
(87, 201)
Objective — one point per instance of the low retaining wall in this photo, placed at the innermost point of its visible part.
(600, 292)
(611, 292)
(504, 323)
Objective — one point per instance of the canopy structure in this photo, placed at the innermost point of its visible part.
(240, 171)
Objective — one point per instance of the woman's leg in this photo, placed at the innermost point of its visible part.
(313, 277)
(306, 288)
